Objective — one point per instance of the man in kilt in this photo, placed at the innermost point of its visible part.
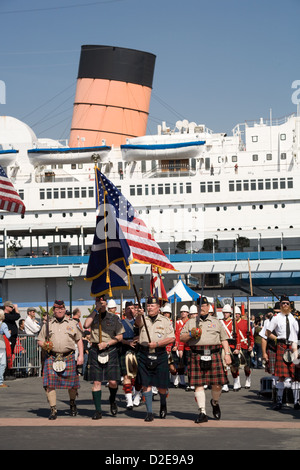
(128, 349)
(269, 348)
(156, 332)
(206, 335)
(59, 337)
(103, 364)
(286, 330)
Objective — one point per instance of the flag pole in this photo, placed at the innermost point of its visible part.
(140, 305)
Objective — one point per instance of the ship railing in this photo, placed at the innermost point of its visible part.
(27, 357)
(165, 171)
(270, 121)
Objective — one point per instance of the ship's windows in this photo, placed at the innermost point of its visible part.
(91, 191)
(175, 210)
(167, 188)
(268, 184)
(283, 156)
(181, 188)
(234, 158)
(160, 189)
(42, 194)
(55, 193)
(231, 185)
(76, 193)
(253, 185)
(217, 208)
(49, 193)
(239, 185)
(132, 190)
(70, 193)
(63, 193)
(261, 206)
(202, 187)
(255, 157)
(275, 206)
(161, 211)
(153, 189)
(146, 190)
(282, 183)
(282, 136)
(84, 214)
(36, 216)
(174, 188)
(80, 166)
(269, 156)
(283, 206)
(1, 217)
(224, 208)
(210, 187)
(188, 188)
(50, 215)
(239, 208)
(71, 215)
(291, 226)
(64, 214)
(143, 166)
(207, 163)
(193, 164)
(246, 185)
(73, 166)
(254, 207)
(254, 138)
(260, 184)
(217, 186)
(139, 190)
(21, 194)
(83, 192)
(290, 182)
(275, 183)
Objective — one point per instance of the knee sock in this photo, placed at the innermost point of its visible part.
(148, 400)
(113, 393)
(200, 399)
(280, 390)
(97, 399)
(72, 393)
(163, 399)
(51, 396)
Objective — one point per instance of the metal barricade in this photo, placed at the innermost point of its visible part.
(27, 356)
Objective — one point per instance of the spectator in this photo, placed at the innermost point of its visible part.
(3, 332)
(11, 313)
(32, 326)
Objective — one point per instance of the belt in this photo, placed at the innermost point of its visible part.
(146, 349)
(202, 351)
(54, 354)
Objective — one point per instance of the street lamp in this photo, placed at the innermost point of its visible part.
(70, 282)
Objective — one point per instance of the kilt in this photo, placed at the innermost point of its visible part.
(282, 369)
(66, 379)
(96, 372)
(159, 377)
(216, 375)
(270, 365)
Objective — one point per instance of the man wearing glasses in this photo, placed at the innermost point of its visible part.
(286, 329)
(59, 337)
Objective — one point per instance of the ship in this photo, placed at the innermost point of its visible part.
(224, 205)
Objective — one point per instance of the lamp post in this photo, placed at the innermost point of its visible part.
(70, 282)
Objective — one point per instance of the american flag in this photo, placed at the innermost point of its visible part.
(9, 198)
(143, 247)
(156, 284)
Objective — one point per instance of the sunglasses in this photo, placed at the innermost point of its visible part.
(285, 303)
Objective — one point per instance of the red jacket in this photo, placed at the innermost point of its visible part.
(181, 346)
(242, 326)
(228, 325)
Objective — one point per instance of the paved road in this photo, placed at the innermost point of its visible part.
(248, 423)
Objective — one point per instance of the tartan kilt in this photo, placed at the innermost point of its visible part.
(282, 369)
(270, 365)
(158, 377)
(216, 375)
(96, 372)
(66, 379)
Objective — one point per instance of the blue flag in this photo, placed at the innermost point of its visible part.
(108, 266)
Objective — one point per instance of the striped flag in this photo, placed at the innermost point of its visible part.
(157, 287)
(9, 198)
(143, 247)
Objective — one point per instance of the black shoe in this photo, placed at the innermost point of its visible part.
(163, 411)
(97, 415)
(149, 417)
(113, 408)
(296, 406)
(53, 413)
(277, 407)
(201, 418)
(216, 410)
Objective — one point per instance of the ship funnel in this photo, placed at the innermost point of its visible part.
(112, 95)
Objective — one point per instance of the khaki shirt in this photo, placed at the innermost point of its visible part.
(64, 335)
(213, 332)
(161, 328)
(111, 326)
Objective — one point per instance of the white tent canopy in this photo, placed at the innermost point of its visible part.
(182, 293)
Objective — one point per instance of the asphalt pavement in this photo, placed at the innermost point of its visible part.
(248, 422)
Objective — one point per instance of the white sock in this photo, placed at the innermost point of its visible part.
(200, 399)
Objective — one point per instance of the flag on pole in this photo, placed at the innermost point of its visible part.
(157, 287)
(143, 247)
(108, 266)
(9, 198)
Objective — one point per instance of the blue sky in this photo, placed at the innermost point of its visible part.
(218, 62)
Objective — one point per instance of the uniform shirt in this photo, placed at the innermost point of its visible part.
(160, 328)
(242, 326)
(278, 324)
(63, 334)
(228, 325)
(181, 346)
(111, 326)
(213, 332)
